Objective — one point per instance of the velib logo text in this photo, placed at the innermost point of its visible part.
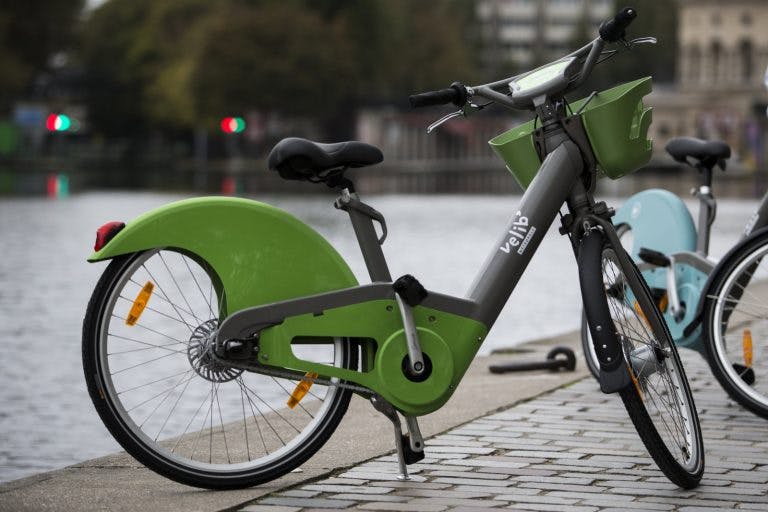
(519, 235)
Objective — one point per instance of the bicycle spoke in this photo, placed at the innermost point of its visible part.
(151, 330)
(266, 420)
(207, 302)
(153, 382)
(149, 308)
(170, 413)
(178, 288)
(170, 302)
(245, 425)
(221, 422)
(165, 300)
(158, 395)
(149, 346)
(141, 364)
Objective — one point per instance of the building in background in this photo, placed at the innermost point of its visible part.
(522, 33)
(719, 91)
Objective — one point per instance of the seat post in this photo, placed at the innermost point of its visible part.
(707, 208)
(362, 217)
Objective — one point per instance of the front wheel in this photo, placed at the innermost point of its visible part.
(658, 399)
(736, 324)
(151, 373)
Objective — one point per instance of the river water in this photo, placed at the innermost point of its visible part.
(46, 418)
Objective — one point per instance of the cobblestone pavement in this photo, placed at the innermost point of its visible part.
(570, 450)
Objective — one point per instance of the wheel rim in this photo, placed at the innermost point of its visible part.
(655, 368)
(744, 309)
(172, 397)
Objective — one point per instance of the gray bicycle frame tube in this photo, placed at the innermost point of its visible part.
(539, 206)
(759, 219)
(504, 267)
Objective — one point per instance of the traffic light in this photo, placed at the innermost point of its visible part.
(232, 124)
(58, 123)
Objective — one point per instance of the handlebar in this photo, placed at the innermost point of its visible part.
(613, 30)
(458, 94)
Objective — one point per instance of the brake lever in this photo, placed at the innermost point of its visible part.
(641, 40)
(444, 119)
(469, 107)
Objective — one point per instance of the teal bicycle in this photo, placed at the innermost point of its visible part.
(224, 340)
(716, 309)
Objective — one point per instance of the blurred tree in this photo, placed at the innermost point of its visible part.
(273, 58)
(138, 56)
(30, 32)
(180, 63)
(113, 70)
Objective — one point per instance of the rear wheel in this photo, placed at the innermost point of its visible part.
(147, 354)
(736, 325)
(658, 400)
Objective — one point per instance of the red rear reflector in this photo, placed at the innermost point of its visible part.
(106, 233)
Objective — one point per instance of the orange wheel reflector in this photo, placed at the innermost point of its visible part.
(746, 345)
(641, 314)
(663, 303)
(302, 388)
(139, 304)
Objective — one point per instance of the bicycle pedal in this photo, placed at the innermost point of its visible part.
(410, 289)
(654, 257)
(409, 454)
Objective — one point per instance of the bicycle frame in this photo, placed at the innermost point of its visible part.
(450, 329)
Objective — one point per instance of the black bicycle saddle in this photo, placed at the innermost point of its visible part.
(708, 153)
(301, 159)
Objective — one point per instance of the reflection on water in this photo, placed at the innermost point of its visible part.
(45, 283)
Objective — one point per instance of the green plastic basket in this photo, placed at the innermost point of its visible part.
(616, 122)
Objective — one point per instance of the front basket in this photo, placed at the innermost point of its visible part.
(616, 122)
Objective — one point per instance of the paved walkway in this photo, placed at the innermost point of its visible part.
(118, 483)
(570, 450)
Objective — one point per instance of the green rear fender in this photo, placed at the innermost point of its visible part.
(259, 253)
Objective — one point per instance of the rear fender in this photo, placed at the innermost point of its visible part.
(259, 253)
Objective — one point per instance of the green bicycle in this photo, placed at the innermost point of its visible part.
(225, 338)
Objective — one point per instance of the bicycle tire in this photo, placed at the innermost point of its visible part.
(670, 432)
(726, 312)
(250, 442)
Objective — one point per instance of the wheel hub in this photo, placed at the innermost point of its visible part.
(645, 361)
(200, 354)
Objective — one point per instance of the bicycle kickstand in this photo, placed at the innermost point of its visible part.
(410, 448)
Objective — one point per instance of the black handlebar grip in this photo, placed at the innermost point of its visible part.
(613, 30)
(427, 99)
(456, 94)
